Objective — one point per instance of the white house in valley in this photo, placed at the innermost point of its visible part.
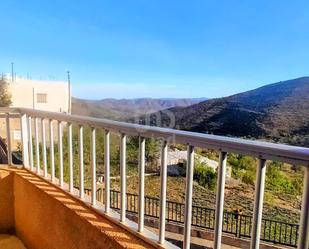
(175, 157)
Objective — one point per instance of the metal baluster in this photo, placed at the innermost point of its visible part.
(291, 233)
(107, 171)
(30, 143)
(44, 147)
(280, 231)
(258, 204)
(24, 136)
(52, 156)
(70, 152)
(189, 190)
(265, 223)
(303, 241)
(37, 146)
(60, 154)
(141, 186)
(81, 162)
(285, 232)
(93, 168)
(201, 217)
(123, 177)
(296, 232)
(8, 138)
(204, 217)
(220, 200)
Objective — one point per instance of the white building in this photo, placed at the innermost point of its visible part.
(38, 94)
(180, 156)
(42, 95)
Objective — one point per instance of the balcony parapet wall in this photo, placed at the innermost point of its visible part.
(46, 217)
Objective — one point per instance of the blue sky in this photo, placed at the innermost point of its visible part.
(156, 48)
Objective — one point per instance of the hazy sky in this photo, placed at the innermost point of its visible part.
(156, 48)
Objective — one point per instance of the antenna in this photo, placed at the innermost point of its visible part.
(12, 74)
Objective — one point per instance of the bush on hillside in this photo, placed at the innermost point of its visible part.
(277, 181)
(205, 175)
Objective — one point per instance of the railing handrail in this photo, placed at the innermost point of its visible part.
(260, 149)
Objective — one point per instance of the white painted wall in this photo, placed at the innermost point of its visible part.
(56, 91)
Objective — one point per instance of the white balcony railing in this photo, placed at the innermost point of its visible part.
(262, 150)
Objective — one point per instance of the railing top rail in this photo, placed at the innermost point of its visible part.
(265, 150)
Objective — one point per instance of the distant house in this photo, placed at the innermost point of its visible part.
(180, 156)
(177, 157)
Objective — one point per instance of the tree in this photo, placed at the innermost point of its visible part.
(5, 95)
(152, 152)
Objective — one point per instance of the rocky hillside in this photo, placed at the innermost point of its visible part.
(278, 111)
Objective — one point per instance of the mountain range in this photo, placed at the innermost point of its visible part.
(277, 112)
(124, 109)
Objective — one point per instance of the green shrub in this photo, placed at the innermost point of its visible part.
(248, 177)
(243, 167)
(205, 175)
(277, 181)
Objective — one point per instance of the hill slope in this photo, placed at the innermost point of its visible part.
(278, 111)
(123, 109)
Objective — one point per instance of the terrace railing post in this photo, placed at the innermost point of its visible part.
(163, 176)
(24, 137)
(123, 177)
(107, 171)
(60, 153)
(70, 154)
(303, 241)
(51, 150)
(37, 145)
(30, 145)
(43, 133)
(141, 185)
(220, 200)
(93, 167)
(8, 138)
(81, 162)
(258, 204)
(189, 190)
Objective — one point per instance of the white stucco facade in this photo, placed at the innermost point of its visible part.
(41, 95)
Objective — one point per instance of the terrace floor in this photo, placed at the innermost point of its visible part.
(10, 242)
